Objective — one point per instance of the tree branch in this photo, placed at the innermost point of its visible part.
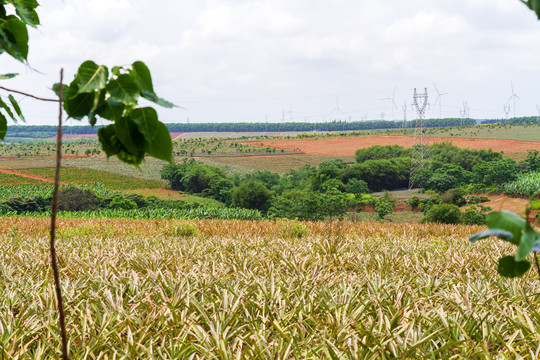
(54, 207)
(29, 95)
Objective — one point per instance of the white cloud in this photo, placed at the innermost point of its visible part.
(287, 51)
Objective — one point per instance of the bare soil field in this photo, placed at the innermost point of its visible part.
(346, 146)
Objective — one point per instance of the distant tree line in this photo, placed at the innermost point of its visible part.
(514, 120)
(46, 131)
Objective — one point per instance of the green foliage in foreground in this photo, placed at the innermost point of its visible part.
(517, 231)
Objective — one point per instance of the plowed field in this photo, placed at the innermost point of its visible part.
(346, 146)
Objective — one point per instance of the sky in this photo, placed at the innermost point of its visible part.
(294, 60)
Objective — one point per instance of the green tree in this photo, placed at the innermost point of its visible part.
(251, 195)
(443, 213)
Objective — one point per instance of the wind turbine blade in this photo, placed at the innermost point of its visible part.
(394, 93)
(394, 103)
(437, 90)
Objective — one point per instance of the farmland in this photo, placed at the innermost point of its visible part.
(247, 290)
(167, 278)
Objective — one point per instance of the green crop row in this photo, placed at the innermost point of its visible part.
(9, 191)
(152, 214)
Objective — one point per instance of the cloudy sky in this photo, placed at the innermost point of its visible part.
(314, 60)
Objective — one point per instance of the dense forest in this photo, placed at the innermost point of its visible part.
(46, 131)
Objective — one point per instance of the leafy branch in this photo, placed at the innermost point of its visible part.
(512, 228)
(136, 131)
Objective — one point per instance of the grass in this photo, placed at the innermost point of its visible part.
(236, 290)
(280, 164)
(530, 132)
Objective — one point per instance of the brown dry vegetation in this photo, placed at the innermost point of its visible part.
(252, 289)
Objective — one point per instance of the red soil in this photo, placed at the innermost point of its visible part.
(29, 176)
(347, 146)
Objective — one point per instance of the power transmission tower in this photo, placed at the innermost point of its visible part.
(420, 149)
(464, 112)
(506, 109)
(538, 109)
(404, 114)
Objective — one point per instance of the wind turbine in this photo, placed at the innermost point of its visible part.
(439, 96)
(514, 96)
(337, 112)
(393, 105)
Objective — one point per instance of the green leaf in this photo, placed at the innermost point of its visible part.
(111, 109)
(14, 37)
(7, 109)
(530, 236)
(8, 76)
(507, 221)
(509, 267)
(143, 77)
(144, 81)
(124, 89)
(56, 89)
(91, 77)
(16, 107)
(77, 105)
(536, 246)
(3, 126)
(25, 10)
(107, 138)
(501, 234)
(117, 70)
(112, 146)
(147, 120)
(161, 146)
(533, 5)
(130, 137)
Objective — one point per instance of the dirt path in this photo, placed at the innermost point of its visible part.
(29, 176)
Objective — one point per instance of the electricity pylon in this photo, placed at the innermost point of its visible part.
(420, 149)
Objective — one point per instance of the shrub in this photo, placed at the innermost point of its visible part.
(291, 229)
(22, 204)
(453, 196)
(75, 199)
(186, 229)
(121, 202)
(414, 202)
(475, 215)
(443, 213)
(476, 199)
(383, 209)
